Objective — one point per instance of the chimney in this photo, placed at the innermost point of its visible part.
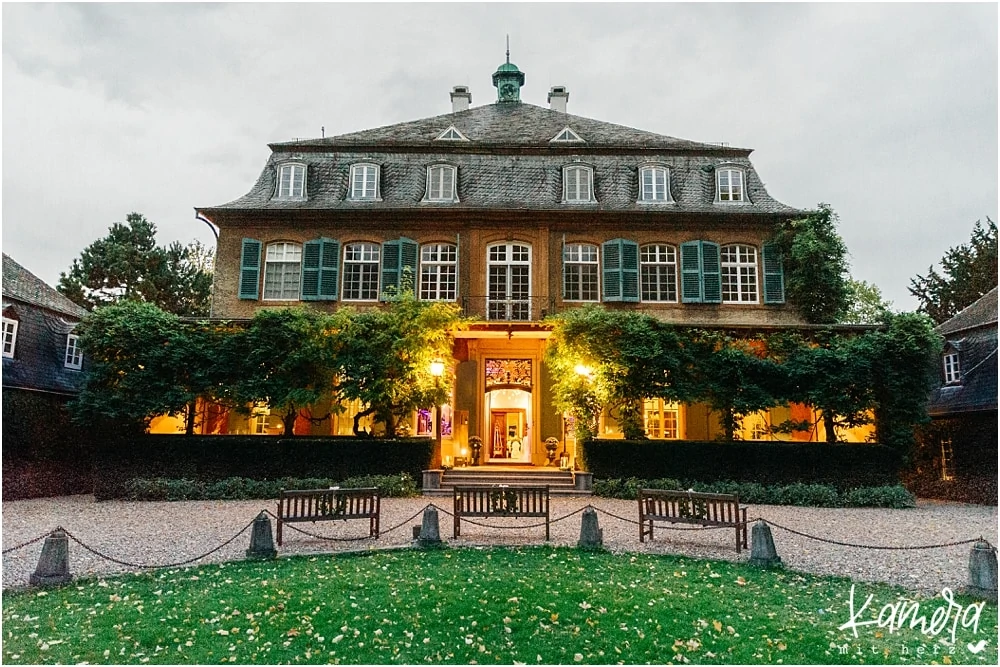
(558, 97)
(461, 99)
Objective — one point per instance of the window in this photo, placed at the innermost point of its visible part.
(659, 272)
(361, 271)
(441, 183)
(580, 272)
(74, 355)
(578, 184)
(292, 181)
(739, 274)
(730, 185)
(654, 184)
(661, 419)
(952, 371)
(439, 272)
(451, 134)
(9, 337)
(566, 135)
(364, 181)
(508, 277)
(282, 271)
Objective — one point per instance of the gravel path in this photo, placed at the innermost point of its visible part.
(168, 532)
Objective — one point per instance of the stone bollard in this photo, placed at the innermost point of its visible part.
(983, 571)
(762, 551)
(53, 564)
(261, 539)
(430, 532)
(591, 535)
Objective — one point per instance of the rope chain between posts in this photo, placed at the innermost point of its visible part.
(154, 567)
(349, 539)
(636, 523)
(26, 544)
(873, 546)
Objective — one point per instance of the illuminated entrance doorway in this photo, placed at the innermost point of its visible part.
(508, 413)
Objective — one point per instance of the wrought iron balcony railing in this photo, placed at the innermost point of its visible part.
(529, 309)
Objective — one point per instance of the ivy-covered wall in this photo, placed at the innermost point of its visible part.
(973, 466)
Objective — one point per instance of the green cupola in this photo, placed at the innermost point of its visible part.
(508, 80)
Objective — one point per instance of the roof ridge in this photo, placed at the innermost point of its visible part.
(21, 284)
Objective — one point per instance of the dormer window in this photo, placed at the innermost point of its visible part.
(74, 355)
(292, 181)
(441, 180)
(952, 370)
(654, 184)
(729, 185)
(364, 181)
(566, 135)
(9, 337)
(578, 185)
(451, 134)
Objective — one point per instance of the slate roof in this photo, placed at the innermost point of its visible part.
(508, 164)
(44, 319)
(973, 334)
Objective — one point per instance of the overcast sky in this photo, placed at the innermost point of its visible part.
(886, 112)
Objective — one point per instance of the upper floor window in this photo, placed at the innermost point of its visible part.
(578, 184)
(292, 181)
(441, 183)
(729, 185)
(439, 272)
(566, 135)
(364, 181)
(580, 272)
(282, 271)
(9, 337)
(658, 264)
(739, 274)
(952, 370)
(74, 355)
(361, 267)
(654, 184)
(508, 279)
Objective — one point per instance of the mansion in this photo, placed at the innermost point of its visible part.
(514, 212)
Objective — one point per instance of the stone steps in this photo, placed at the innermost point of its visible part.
(560, 482)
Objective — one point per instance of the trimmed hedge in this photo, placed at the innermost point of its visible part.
(215, 458)
(843, 466)
(802, 495)
(242, 488)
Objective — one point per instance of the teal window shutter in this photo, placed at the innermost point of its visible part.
(329, 269)
(711, 272)
(390, 269)
(310, 270)
(407, 265)
(611, 258)
(691, 283)
(250, 269)
(630, 271)
(774, 274)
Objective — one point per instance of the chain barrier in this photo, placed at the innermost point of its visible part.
(872, 546)
(350, 539)
(517, 527)
(636, 523)
(153, 567)
(26, 544)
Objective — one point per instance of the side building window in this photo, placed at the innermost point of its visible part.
(729, 185)
(282, 271)
(580, 271)
(292, 181)
(364, 182)
(739, 274)
(74, 355)
(9, 337)
(361, 269)
(439, 272)
(659, 272)
(952, 370)
(654, 184)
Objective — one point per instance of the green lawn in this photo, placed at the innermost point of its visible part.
(460, 606)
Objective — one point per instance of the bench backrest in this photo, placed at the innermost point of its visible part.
(706, 508)
(339, 503)
(483, 500)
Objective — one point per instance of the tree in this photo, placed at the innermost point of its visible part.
(969, 272)
(127, 265)
(865, 304)
(143, 362)
(815, 263)
(385, 357)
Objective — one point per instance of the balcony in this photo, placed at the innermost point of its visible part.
(529, 309)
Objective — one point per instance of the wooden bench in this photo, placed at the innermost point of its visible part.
(705, 509)
(329, 505)
(501, 501)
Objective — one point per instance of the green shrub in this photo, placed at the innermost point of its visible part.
(806, 495)
(242, 488)
(879, 496)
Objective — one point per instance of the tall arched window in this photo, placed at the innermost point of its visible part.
(282, 271)
(508, 277)
(739, 274)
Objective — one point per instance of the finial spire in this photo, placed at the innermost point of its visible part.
(508, 49)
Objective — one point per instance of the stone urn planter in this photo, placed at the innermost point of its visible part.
(475, 446)
(551, 445)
